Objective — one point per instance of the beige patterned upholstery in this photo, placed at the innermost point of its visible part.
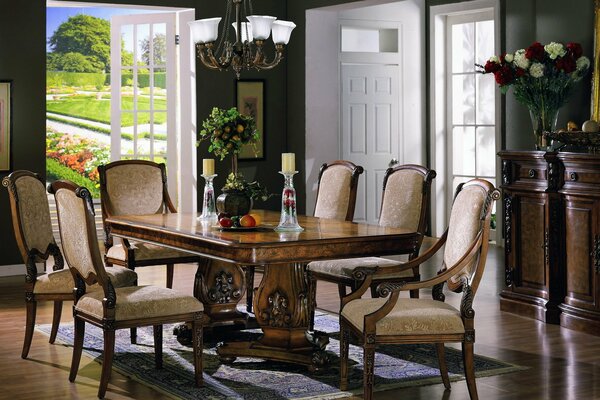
(145, 251)
(343, 268)
(135, 189)
(62, 281)
(74, 235)
(334, 193)
(409, 317)
(140, 302)
(463, 226)
(34, 213)
(402, 198)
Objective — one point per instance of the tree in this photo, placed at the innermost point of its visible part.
(87, 35)
(159, 47)
(70, 62)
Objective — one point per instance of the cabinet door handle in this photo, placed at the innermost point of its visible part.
(531, 173)
(573, 176)
(596, 253)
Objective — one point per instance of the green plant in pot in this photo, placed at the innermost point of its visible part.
(227, 131)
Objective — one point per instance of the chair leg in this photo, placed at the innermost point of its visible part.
(369, 367)
(55, 320)
(249, 271)
(158, 348)
(109, 351)
(170, 268)
(312, 287)
(79, 333)
(29, 325)
(441, 354)
(344, 349)
(197, 343)
(133, 335)
(468, 361)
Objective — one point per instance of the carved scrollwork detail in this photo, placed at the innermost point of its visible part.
(508, 276)
(108, 324)
(30, 268)
(111, 296)
(319, 340)
(360, 273)
(470, 336)
(370, 338)
(319, 358)
(546, 246)
(466, 303)
(507, 223)
(553, 176)
(506, 172)
(596, 253)
(437, 292)
(59, 261)
(223, 291)
(29, 296)
(277, 315)
(386, 288)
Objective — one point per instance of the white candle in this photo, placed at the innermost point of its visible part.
(288, 162)
(208, 166)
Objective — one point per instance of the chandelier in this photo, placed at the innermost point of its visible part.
(245, 50)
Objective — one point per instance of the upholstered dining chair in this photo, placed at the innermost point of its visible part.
(137, 187)
(393, 320)
(114, 308)
(336, 199)
(33, 232)
(406, 192)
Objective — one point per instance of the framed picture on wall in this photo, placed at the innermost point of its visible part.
(250, 95)
(5, 123)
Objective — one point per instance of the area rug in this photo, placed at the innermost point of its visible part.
(256, 379)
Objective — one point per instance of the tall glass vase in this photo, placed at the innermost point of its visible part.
(288, 222)
(543, 120)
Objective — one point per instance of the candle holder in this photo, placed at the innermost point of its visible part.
(288, 222)
(209, 211)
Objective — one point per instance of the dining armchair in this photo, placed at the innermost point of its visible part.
(137, 187)
(336, 199)
(406, 193)
(33, 232)
(390, 319)
(114, 308)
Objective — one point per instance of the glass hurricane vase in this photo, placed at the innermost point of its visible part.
(543, 120)
(288, 221)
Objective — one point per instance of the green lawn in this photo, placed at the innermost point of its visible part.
(88, 107)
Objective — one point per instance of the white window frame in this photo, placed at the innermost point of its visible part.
(438, 92)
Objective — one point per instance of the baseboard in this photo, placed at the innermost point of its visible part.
(17, 269)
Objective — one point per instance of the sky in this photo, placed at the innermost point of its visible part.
(57, 15)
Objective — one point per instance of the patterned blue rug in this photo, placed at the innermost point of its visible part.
(255, 379)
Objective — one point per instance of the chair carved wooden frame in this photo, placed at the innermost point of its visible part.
(464, 275)
(109, 208)
(347, 184)
(349, 280)
(35, 248)
(150, 305)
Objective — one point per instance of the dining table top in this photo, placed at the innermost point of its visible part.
(321, 238)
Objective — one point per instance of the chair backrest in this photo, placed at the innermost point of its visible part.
(78, 232)
(470, 217)
(406, 192)
(30, 214)
(336, 195)
(134, 187)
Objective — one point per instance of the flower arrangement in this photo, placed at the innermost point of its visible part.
(541, 76)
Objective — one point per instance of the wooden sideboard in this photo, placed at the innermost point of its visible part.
(551, 204)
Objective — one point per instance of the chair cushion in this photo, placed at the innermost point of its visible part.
(402, 200)
(343, 268)
(61, 281)
(334, 193)
(146, 251)
(409, 317)
(140, 302)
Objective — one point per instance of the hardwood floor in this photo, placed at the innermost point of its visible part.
(564, 364)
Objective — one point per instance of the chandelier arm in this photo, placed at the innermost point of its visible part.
(259, 60)
(209, 60)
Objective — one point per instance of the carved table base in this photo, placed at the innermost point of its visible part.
(282, 304)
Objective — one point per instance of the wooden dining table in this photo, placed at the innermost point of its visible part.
(284, 300)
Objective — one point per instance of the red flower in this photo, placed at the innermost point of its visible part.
(519, 72)
(504, 75)
(566, 64)
(535, 52)
(575, 50)
(288, 192)
(491, 66)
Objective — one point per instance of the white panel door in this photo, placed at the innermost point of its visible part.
(370, 129)
(144, 117)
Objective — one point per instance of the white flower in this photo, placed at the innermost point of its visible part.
(583, 63)
(555, 50)
(536, 70)
(509, 57)
(494, 59)
(520, 60)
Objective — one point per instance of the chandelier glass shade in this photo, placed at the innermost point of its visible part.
(242, 39)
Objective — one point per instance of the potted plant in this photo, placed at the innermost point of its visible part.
(227, 131)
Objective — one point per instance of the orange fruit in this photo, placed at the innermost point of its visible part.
(247, 221)
(256, 218)
(240, 128)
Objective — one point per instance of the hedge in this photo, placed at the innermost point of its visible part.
(56, 171)
(126, 136)
(82, 79)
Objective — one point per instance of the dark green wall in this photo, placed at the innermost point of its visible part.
(22, 50)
